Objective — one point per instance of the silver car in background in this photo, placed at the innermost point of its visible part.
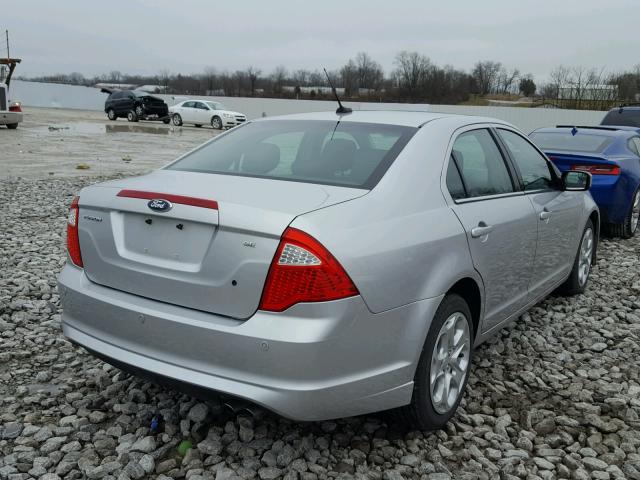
(327, 265)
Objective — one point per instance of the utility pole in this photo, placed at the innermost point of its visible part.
(7, 35)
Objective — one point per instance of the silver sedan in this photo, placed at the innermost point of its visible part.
(327, 265)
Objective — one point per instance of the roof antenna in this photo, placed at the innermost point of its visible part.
(341, 109)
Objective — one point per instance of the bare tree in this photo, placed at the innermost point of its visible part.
(210, 77)
(252, 75)
(486, 76)
(410, 73)
(349, 76)
(369, 72)
(558, 80)
(507, 80)
(278, 78)
(301, 77)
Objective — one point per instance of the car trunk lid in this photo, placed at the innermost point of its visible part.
(211, 250)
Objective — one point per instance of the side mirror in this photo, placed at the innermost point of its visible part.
(576, 181)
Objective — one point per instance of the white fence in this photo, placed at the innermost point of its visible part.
(34, 94)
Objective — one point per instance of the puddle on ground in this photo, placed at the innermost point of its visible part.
(135, 128)
(88, 128)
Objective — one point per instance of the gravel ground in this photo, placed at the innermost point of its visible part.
(556, 395)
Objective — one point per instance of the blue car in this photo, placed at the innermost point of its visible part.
(612, 156)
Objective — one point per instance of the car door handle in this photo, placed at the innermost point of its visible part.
(545, 215)
(481, 230)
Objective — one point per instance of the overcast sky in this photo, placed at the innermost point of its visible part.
(146, 36)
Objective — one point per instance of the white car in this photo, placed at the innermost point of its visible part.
(205, 112)
(10, 112)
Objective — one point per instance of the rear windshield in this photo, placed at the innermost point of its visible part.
(628, 118)
(326, 152)
(580, 142)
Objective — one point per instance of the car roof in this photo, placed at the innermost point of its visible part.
(390, 117)
(604, 130)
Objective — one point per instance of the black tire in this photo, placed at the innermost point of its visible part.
(630, 226)
(111, 114)
(216, 122)
(574, 284)
(177, 119)
(131, 116)
(12, 126)
(166, 120)
(421, 413)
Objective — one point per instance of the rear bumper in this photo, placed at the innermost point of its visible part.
(312, 362)
(8, 118)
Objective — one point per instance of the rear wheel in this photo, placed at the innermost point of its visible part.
(131, 116)
(577, 281)
(12, 126)
(443, 369)
(216, 123)
(111, 114)
(631, 221)
(139, 111)
(177, 119)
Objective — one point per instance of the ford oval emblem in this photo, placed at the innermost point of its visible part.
(159, 205)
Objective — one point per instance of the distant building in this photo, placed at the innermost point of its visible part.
(307, 90)
(590, 92)
(152, 88)
(116, 86)
(366, 92)
(131, 86)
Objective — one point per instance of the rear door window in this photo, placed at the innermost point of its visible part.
(481, 164)
(532, 166)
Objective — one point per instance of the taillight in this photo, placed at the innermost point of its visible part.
(303, 270)
(15, 107)
(598, 169)
(73, 242)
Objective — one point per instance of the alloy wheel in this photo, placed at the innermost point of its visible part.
(586, 256)
(450, 363)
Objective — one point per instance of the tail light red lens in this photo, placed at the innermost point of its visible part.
(303, 270)
(15, 107)
(73, 242)
(598, 169)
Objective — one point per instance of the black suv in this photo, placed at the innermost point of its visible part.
(135, 105)
(624, 115)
